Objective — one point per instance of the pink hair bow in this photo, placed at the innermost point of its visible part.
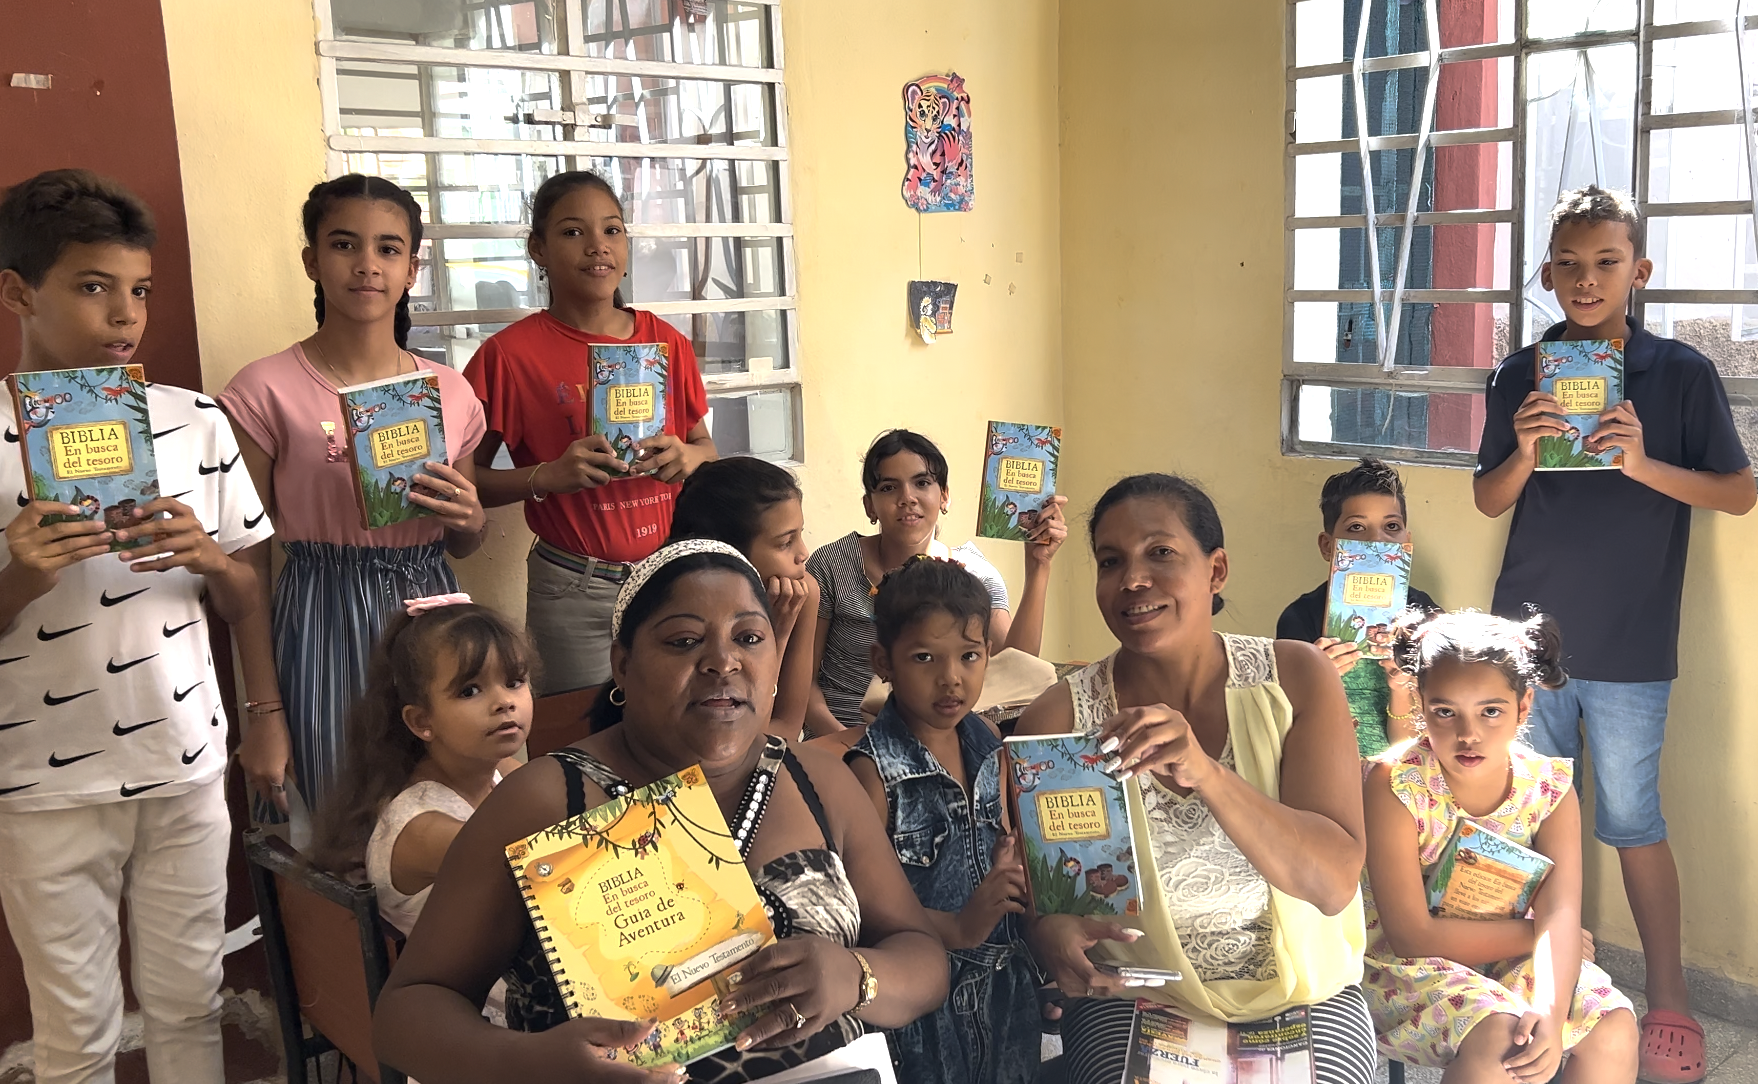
(414, 606)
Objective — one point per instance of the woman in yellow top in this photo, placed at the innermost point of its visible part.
(1254, 898)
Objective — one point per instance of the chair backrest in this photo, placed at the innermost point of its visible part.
(559, 720)
(327, 949)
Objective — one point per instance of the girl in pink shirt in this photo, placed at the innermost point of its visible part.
(306, 666)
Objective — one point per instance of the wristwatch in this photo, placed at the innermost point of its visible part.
(869, 984)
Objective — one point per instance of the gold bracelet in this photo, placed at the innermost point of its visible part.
(532, 483)
(1415, 713)
(869, 984)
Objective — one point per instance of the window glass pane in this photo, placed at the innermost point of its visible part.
(1476, 22)
(1690, 11)
(523, 25)
(681, 31)
(444, 100)
(1451, 257)
(1696, 74)
(1318, 108)
(1318, 32)
(660, 190)
(1394, 26)
(1687, 165)
(1725, 334)
(1318, 185)
(1474, 94)
(643, 109)
(1713, 252)
(704, 268)
(725, 340)
(759, 423)
(490, 273)
(1562, 18)
(1470, 335)
(1440, 421)
(1580, 126)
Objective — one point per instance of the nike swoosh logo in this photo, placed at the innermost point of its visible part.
(11, 435)
(44, 634)
(57, 762)
(22, 502)
(225, 467)
(114, 669)
(250, 524)
(170, 632)
(15, 658)
(21, 722)
(105, 599)
(190, 758)
(180, 496)
(122, 731)
(52, 700)
(203, 403)
(203, 468)
(215, 721)
(167, 432)
(21, 786)
(129, 792)
(179, 695)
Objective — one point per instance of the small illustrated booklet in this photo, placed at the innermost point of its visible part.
(395, 429)
(641, 905)
(87, 441)
(628, 395)
(1370, 586)
(1587, 378)
(1019, 478)
(1167, 1047)
(1074, 826)
(1483, 875)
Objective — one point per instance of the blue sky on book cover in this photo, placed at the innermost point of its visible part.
(88, 440)
(397, 428)
(1073, 822)
(1019, 478)
(1587, 378)
(1370, 586)
(628, 393)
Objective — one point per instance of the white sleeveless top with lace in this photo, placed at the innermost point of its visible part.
(1220, 904)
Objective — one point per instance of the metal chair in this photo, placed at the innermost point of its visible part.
(328, 958)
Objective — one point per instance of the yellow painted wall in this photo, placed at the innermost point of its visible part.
(1172, 175)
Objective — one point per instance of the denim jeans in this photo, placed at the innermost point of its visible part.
(1624, 723)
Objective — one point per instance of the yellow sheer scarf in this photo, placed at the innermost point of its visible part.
(1316, 956)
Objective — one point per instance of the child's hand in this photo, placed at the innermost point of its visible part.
(587, 464)
(667, 458)
(178, 541)
(1538, 1050)
(1344, 654)
(451, 496)
(787, 597)
(1539, 416)
(1001, 893)
(1047, 537)
(1587, 947)
(1620, 428)
(40, 553)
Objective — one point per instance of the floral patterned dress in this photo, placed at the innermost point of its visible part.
(1424, 1008)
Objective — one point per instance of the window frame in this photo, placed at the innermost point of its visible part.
(1386, 376)
(572, 66)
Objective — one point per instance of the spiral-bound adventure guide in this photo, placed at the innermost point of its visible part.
(642, 905)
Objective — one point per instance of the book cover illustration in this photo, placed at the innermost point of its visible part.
(641, 905)
(87, 440)
(1484, 875)
(1074, 826)
(1019, 478)
(628, 395)
(931, 308)
(1587, 378)
(1370, 586)
(395, 428)
(1167, 1047)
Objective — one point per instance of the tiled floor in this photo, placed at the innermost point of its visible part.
(1733, 1053)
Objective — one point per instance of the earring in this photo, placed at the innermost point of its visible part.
(542, 272)
(943, 509)
(776, 691)
(614, 690)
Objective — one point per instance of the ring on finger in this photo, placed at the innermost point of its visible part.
(799, 1017)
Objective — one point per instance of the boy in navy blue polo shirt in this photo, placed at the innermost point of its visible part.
(1604, 551)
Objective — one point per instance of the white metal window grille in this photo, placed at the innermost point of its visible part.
(471, 104)
(1453, 126)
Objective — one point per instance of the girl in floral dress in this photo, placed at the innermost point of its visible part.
(1486, 999)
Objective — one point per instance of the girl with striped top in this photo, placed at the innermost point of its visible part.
(906, 482)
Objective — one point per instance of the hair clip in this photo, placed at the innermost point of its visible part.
(416, 606)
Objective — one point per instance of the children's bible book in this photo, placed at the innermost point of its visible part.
(1074, 826)
(628, 395)
(1587, 378)
(87, 441)
(1483, 875)
(1019, 478)
(395, 428)
(1167, 1047)
(1370, 586)
(641, 905)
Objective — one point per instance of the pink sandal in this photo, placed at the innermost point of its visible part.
(1672, 1049)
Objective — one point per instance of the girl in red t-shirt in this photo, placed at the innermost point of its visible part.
(593, 514)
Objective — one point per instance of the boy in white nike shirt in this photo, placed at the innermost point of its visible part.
(112, 732)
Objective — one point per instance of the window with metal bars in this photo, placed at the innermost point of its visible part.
(1456, 125)
(472, 104)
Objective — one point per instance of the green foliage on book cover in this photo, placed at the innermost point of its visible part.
(1055, 894)
(1561, 452)
(993, 520)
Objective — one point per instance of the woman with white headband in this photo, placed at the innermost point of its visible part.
(694, 664)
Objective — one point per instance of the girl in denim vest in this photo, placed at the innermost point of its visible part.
(930, 766)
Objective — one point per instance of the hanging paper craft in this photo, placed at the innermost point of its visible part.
(931, 307)
(937, 133)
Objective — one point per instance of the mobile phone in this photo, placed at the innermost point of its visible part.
(1139, 974)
